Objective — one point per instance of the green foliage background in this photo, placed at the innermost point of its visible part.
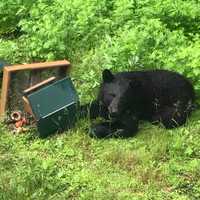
(93, 35)
(97, 34)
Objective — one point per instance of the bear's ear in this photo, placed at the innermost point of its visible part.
(107, 76)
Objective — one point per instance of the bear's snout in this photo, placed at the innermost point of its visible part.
(113, 110)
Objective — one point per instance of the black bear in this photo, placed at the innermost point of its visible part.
(125, 98)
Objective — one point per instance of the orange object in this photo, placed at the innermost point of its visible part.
(21, 123)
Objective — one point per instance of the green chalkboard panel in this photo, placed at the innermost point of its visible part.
(55, 106)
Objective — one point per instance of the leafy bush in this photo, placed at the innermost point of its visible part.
(120, 35)
(11, 13)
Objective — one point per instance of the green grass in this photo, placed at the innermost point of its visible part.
(156, 164)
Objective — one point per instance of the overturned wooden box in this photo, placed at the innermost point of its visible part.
(34, 71)
(54, 105)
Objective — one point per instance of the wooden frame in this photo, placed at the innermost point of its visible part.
(63, 66)
(27, 107)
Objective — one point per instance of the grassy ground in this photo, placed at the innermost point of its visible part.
(156, 164)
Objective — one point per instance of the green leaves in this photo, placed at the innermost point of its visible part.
(93, 35)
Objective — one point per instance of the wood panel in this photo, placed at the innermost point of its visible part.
(4, 91)
(62, 65)
(34, 87)
(34, 66)
(27, 106)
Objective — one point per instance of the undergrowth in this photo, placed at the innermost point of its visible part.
(156, 164)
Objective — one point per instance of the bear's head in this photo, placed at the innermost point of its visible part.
(115, 93)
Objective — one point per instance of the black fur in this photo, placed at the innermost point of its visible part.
(127, 97)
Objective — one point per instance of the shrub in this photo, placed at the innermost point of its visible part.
(120, 35)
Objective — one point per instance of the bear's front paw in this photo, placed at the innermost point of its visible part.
(100, 130)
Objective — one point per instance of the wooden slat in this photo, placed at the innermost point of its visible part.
(34, 66)
(63, 65)
(34, 87)
(27, 106)
(4, 91)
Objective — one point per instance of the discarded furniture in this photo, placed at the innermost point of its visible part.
(53, 104)
(27, 106)
(35, 71)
